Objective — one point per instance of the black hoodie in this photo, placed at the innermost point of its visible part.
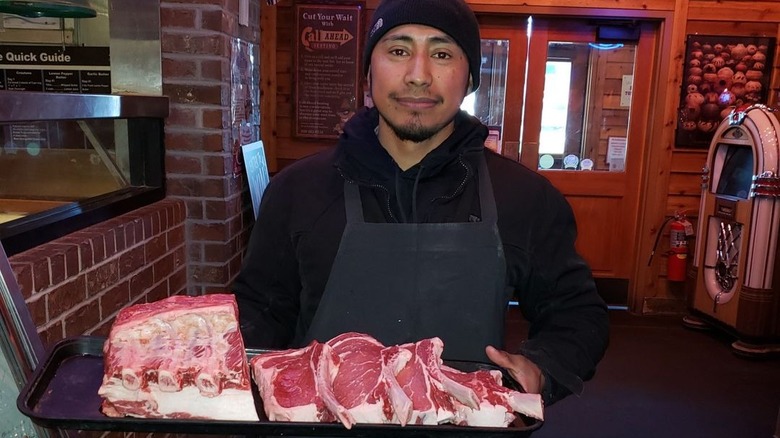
(302, 218)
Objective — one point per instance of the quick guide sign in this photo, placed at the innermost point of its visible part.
(55, 69)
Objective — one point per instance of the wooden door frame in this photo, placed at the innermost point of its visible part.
(639, 131)
(510, 28)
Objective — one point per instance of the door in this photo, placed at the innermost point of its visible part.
(568, 115)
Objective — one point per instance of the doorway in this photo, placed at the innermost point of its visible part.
(570, 98)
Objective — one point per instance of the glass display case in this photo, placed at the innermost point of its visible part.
(20, 352)
(68, 161)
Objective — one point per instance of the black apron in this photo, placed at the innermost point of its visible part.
(405, 282)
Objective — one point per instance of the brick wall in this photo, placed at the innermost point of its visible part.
(196, 51)
(76, 284)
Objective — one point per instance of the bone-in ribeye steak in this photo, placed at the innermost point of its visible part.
(180, 357)
(355, 379)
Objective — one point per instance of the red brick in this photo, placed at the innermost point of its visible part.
(195, 93)
(175, 236)
(86, 259)
(163, 268)
(119, 238)
(82, 319)
(216, 252)
(57, 268)
(165, 215)
(155, 224)
(178, 163)
(214, 118)
(211, 20)
(195, 252)
(41, 274)
(141, 282)
(177, 282)
(210, 274)
(131, 261)
(109, 239)
(37, 309)
(66, 296)
(202, 187)
(176, 67)
(103, 329)
(217, 210)
(155, 248)
(194, 208)
(157, 293)
(51, 335)
(177, 17)
(209, 231)
(134, 232)
(180, 209)
(234, 267)
(182, 115)
(217, 70)
(219, 164)
(213, 44)
(102, 277)
(114, 299)
(235, 225)
(148, 227)
(23, 274)
(194, 141)
(98, 247)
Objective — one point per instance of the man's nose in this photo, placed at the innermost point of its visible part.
(419, 72)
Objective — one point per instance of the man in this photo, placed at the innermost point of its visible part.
(411, 228)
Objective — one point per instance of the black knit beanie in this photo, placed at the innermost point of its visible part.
(453, 17)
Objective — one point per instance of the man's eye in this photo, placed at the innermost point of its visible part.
(442, 55)
(398, 52)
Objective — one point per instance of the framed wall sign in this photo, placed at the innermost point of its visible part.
(720, 74)
(327, 67)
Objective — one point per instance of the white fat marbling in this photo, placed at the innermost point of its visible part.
(231, 404)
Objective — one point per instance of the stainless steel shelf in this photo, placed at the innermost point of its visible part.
(26, 106)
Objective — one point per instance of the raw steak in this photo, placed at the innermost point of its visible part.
(294, 385)
(497, 403)
(353, 379)
(180, 357)
(431, 403)
(365, 382)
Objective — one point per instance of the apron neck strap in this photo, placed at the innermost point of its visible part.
(352, 202)
(354, 206)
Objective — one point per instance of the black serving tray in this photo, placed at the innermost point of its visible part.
(63, 393)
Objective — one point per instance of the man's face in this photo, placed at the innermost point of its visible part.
(418, 78)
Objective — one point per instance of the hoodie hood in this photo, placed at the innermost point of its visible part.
(361, 158)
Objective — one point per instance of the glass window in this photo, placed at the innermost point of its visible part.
(555, 109)
(487, 103)
(69, 161)
(586, 104)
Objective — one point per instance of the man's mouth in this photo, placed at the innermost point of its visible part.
(417, 102)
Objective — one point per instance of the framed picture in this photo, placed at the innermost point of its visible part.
(327, 67)
(720, 73)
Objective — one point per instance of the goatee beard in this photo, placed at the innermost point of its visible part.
(413, 131)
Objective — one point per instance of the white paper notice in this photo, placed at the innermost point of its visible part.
(616, 153)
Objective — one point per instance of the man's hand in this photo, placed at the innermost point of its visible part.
(525, 372)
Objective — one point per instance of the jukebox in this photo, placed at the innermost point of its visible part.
(736, 271)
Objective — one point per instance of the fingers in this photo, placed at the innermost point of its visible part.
(498, 357)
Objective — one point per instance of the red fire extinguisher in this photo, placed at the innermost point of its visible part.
(679, 231)
(678, 249)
